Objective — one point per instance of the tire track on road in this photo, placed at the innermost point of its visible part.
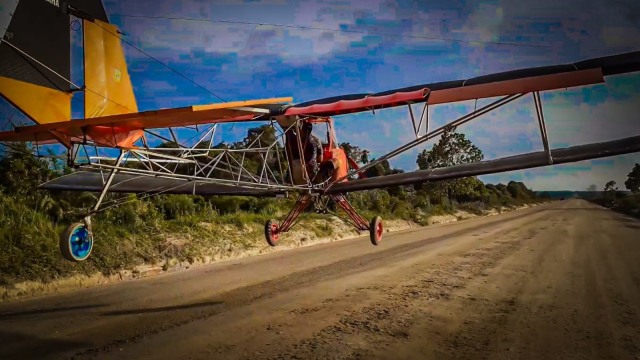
(243, 296)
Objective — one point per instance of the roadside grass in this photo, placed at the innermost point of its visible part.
(171, 229)
(622, 203)
(182, 228)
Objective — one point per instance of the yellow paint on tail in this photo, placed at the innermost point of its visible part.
(42, 104)
(109, 90)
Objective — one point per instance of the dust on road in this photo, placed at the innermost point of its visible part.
(557, 281)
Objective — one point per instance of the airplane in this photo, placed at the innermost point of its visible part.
(35, 78)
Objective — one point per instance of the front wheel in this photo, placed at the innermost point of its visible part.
(76, 242)
(375, 230)
(272, 232)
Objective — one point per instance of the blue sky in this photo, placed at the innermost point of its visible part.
(237, 59)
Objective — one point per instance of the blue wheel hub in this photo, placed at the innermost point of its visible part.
(80, 242)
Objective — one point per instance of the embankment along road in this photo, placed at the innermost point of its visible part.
(558, 281)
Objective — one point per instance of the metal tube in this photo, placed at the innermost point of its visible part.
(543, 127)
(109, 180)
(196, 178)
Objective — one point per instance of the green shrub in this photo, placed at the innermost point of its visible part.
(175, 206)
(630, 204)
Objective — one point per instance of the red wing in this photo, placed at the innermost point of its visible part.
(341, 107)
(124, 129)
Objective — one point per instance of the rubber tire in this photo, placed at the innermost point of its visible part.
(64, 245)
(271, 237)
(376, 230)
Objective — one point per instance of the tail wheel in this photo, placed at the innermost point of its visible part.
(375, 230)
(76, 242)
(272, 232)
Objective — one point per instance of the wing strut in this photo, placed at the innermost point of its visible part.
(112, 174)
(418, 126)
(543, 127)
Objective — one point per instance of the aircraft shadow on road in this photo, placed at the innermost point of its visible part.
(21, 346)
(11, 315)
(632, 224)
(161, 309)
(576, 209)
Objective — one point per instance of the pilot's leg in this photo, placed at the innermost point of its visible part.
(298, 172)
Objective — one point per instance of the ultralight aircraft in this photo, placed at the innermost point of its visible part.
(35, 69)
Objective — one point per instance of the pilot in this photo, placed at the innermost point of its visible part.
(312, 149)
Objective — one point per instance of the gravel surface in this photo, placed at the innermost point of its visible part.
(560, 281)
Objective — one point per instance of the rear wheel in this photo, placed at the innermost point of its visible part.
(375, 230)
(272, 232)
(76, 242)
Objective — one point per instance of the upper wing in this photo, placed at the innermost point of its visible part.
(123, 129)
(500, 84)
(119, 130)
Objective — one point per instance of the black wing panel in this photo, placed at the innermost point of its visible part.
(129, 183)
(613, 65)
(41, 30)
(518, 162)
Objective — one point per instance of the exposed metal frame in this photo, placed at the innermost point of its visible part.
(204, 163)
(199, 163)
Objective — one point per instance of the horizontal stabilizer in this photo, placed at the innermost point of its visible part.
(518, 162)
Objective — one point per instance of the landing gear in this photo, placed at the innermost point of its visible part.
(272, 232)
(375, 230)
(272, 229)
(76, 242)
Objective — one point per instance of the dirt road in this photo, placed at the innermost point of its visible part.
(559, 281)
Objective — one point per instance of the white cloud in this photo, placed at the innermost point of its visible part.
(483, 24)
(582, 124)
(301, 40)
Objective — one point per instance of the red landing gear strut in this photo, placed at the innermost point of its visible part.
(272, 229)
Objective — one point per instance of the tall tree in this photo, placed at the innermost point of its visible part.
(21, 171)
(610, 186)
(453, 148)
(633, 180)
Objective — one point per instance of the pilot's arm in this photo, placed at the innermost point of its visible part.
(318, 146)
